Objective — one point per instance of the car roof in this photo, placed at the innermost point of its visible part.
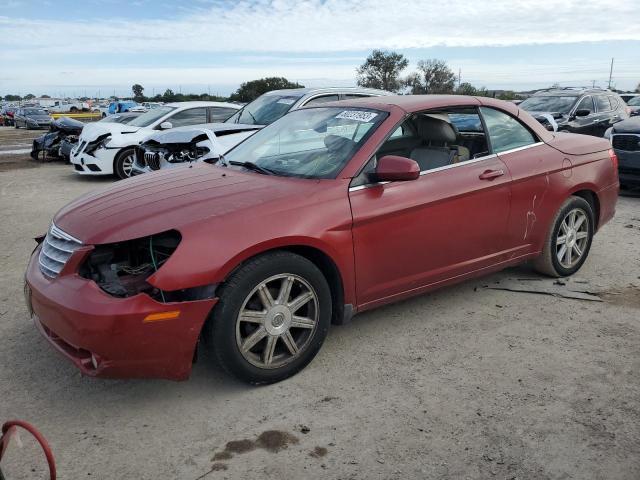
(570, 92)
(411, 103)
(301, 92)
(202, 104)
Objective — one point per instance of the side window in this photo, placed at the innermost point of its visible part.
(193, 116)
(602, 103)
(505, 132)
(614, 103)
(322, 99)
(586, 104)
(220, 114)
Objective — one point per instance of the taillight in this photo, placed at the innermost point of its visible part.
(614, 158)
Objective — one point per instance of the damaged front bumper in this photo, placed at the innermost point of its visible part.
(105, 336)
(99, 162)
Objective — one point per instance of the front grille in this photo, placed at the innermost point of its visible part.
(628, 143)
(153, 160)
(57, 248)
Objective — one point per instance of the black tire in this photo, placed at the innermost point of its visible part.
(548, 263)
(220, 330)
(118, 163)
(73, 110)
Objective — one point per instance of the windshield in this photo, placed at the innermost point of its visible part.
(634, 102)
(309, 143)
(149, 117)
(548, 104)
(34, 111)
(265, 109)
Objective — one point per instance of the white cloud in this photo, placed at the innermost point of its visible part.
(333, 26)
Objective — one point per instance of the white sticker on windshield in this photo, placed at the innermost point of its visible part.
(358, 115)
(286, 101)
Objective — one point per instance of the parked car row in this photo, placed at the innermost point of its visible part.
(123, 150)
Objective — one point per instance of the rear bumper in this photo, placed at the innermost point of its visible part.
(104, 336)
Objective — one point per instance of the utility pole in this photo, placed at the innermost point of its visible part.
(610, 74)
(459, 77)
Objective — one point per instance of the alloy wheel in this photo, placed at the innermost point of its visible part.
(277, 320)
(572, 237)
(127, 165)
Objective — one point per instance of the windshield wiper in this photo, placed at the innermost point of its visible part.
(253, 166)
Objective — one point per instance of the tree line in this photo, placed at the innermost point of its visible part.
(381, 69)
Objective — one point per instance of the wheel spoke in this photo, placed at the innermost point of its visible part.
(561, 252)
(300, 301)
(567, 257)
(577, 249)
(563, 226)
(581, 235)
(302, 322)
(572, 219)
(254, 338)
(580, 221)
(288, 340)
(265, 296)
(252, 316)
(269, 349)
(562, 239)
(285, 291)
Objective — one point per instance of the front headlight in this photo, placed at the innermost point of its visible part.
(101, 142)
(121, 269)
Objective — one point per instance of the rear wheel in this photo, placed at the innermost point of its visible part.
(123, 163)
(569, 240)
(272, 318)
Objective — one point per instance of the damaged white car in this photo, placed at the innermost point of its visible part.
(109, 148)
(204, 143)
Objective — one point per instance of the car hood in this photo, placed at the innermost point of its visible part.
(631, 125)
(93, 130)
(175, 199)
(38, 117)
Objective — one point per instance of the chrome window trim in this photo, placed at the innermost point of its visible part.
(453, 165)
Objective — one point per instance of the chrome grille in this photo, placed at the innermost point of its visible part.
(57, 247)
(153, 160)
(626, 142)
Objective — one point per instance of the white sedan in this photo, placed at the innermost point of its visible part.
(109, 148)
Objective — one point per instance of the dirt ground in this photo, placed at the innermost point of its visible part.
(464, 383)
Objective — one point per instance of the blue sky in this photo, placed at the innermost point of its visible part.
(85, 47)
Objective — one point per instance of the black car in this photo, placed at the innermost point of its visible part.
(31, 117)
(590, 111)
(625, 139)
(634, 106)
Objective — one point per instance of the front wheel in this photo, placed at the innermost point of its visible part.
(123, 163)
(272, 318)
(569, 239)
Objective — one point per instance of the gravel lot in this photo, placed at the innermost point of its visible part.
(466, 382)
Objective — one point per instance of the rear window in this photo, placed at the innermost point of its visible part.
(602, 103)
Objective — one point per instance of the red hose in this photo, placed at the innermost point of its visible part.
(8, 429)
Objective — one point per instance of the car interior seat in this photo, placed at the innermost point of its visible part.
(438, 147)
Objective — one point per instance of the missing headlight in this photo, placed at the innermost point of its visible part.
(122, 269)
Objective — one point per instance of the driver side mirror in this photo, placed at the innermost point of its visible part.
(583, 112)
(392, 168)
(166, 125)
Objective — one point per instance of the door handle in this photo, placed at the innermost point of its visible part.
(491, 174)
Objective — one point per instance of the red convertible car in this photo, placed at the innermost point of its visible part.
(331, 210)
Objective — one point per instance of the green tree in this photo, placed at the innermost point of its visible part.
(466, 88)
(382, 70)
(45, 96)
(29, 96)
(249, 91)
(12, 98)
(168, 96)
(138, 92)
(433, 76)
